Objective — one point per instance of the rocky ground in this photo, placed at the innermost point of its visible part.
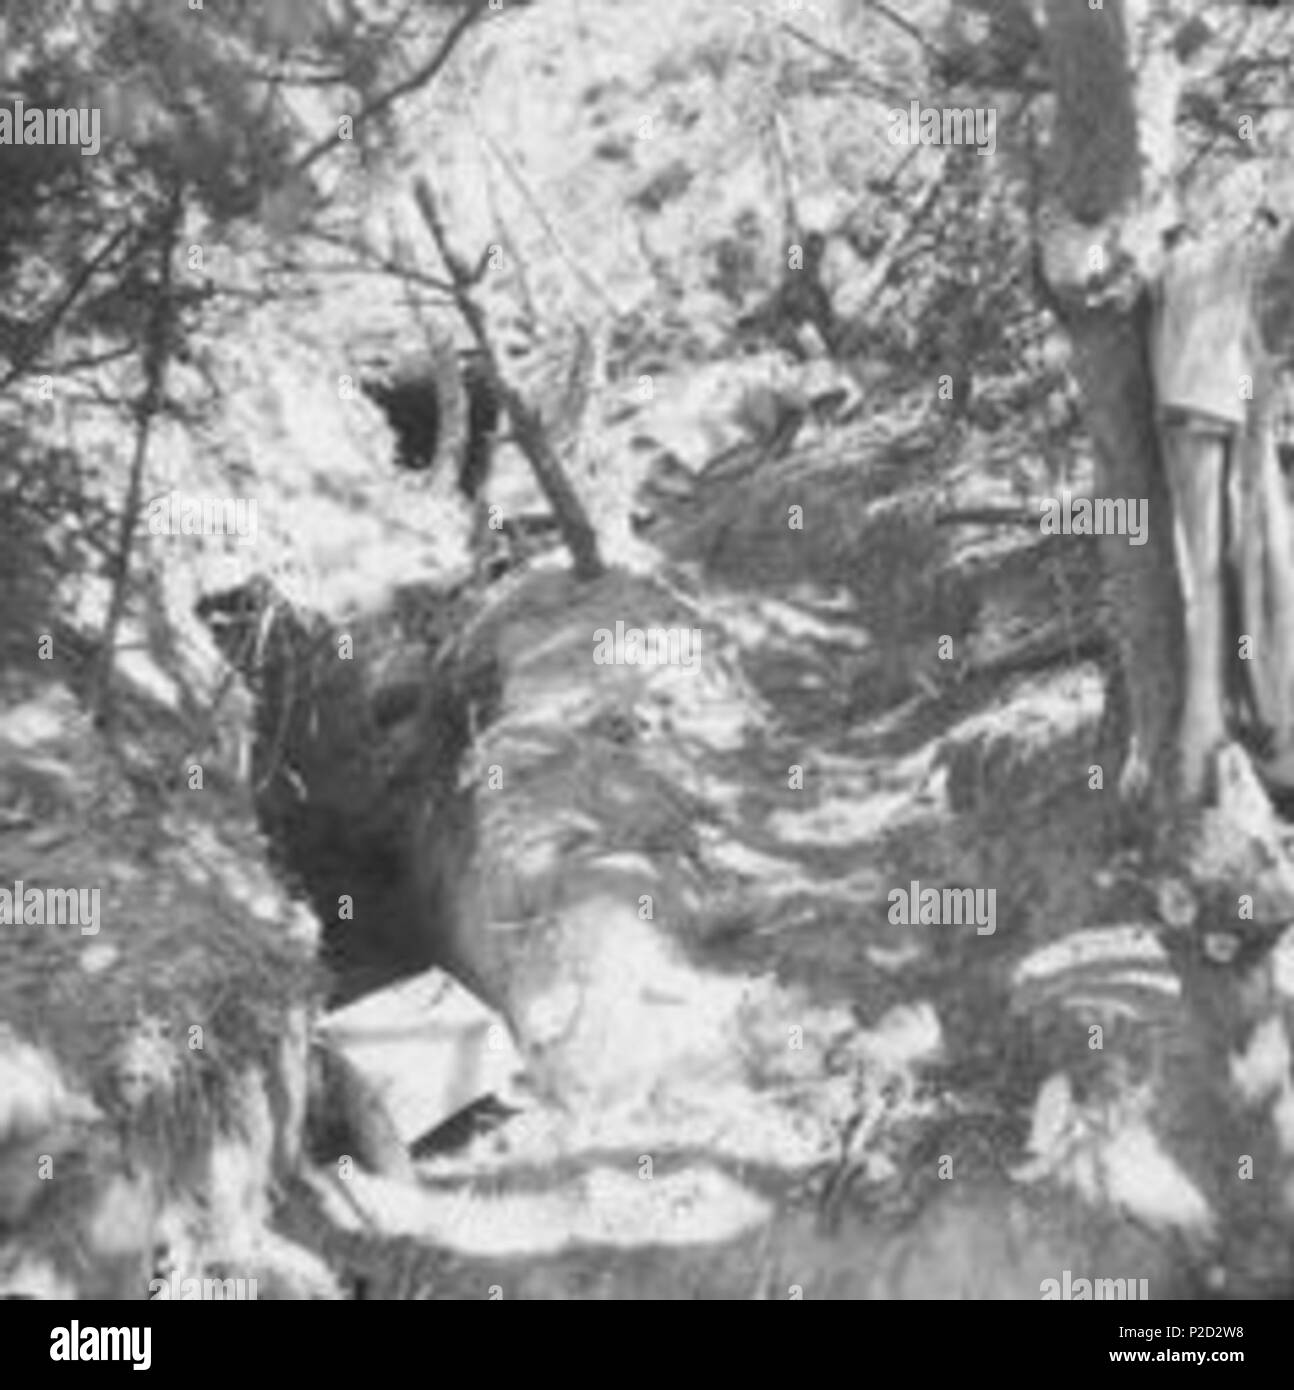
(719, 1065)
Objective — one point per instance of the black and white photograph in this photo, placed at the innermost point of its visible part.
(646, 653)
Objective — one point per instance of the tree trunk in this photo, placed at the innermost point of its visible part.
(1175, 344)
(1104, 306)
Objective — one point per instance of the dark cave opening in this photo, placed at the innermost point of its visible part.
(413, 399)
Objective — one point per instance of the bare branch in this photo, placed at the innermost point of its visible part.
(420, 78)
(910, 29)
(987, 516)
(374, 262)
(582, 275)
(527, 428)
(56, 314)
(156, 353)
(864, 81)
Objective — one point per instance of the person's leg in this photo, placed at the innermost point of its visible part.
(1195, 461)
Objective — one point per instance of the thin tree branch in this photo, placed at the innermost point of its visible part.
(409, 84)
(89, 361)
(910, 29)
(867, 83)
(371, 261)
(564, 251)
(988, 516)
(55, 316)
(527, 428)
(156, 353)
